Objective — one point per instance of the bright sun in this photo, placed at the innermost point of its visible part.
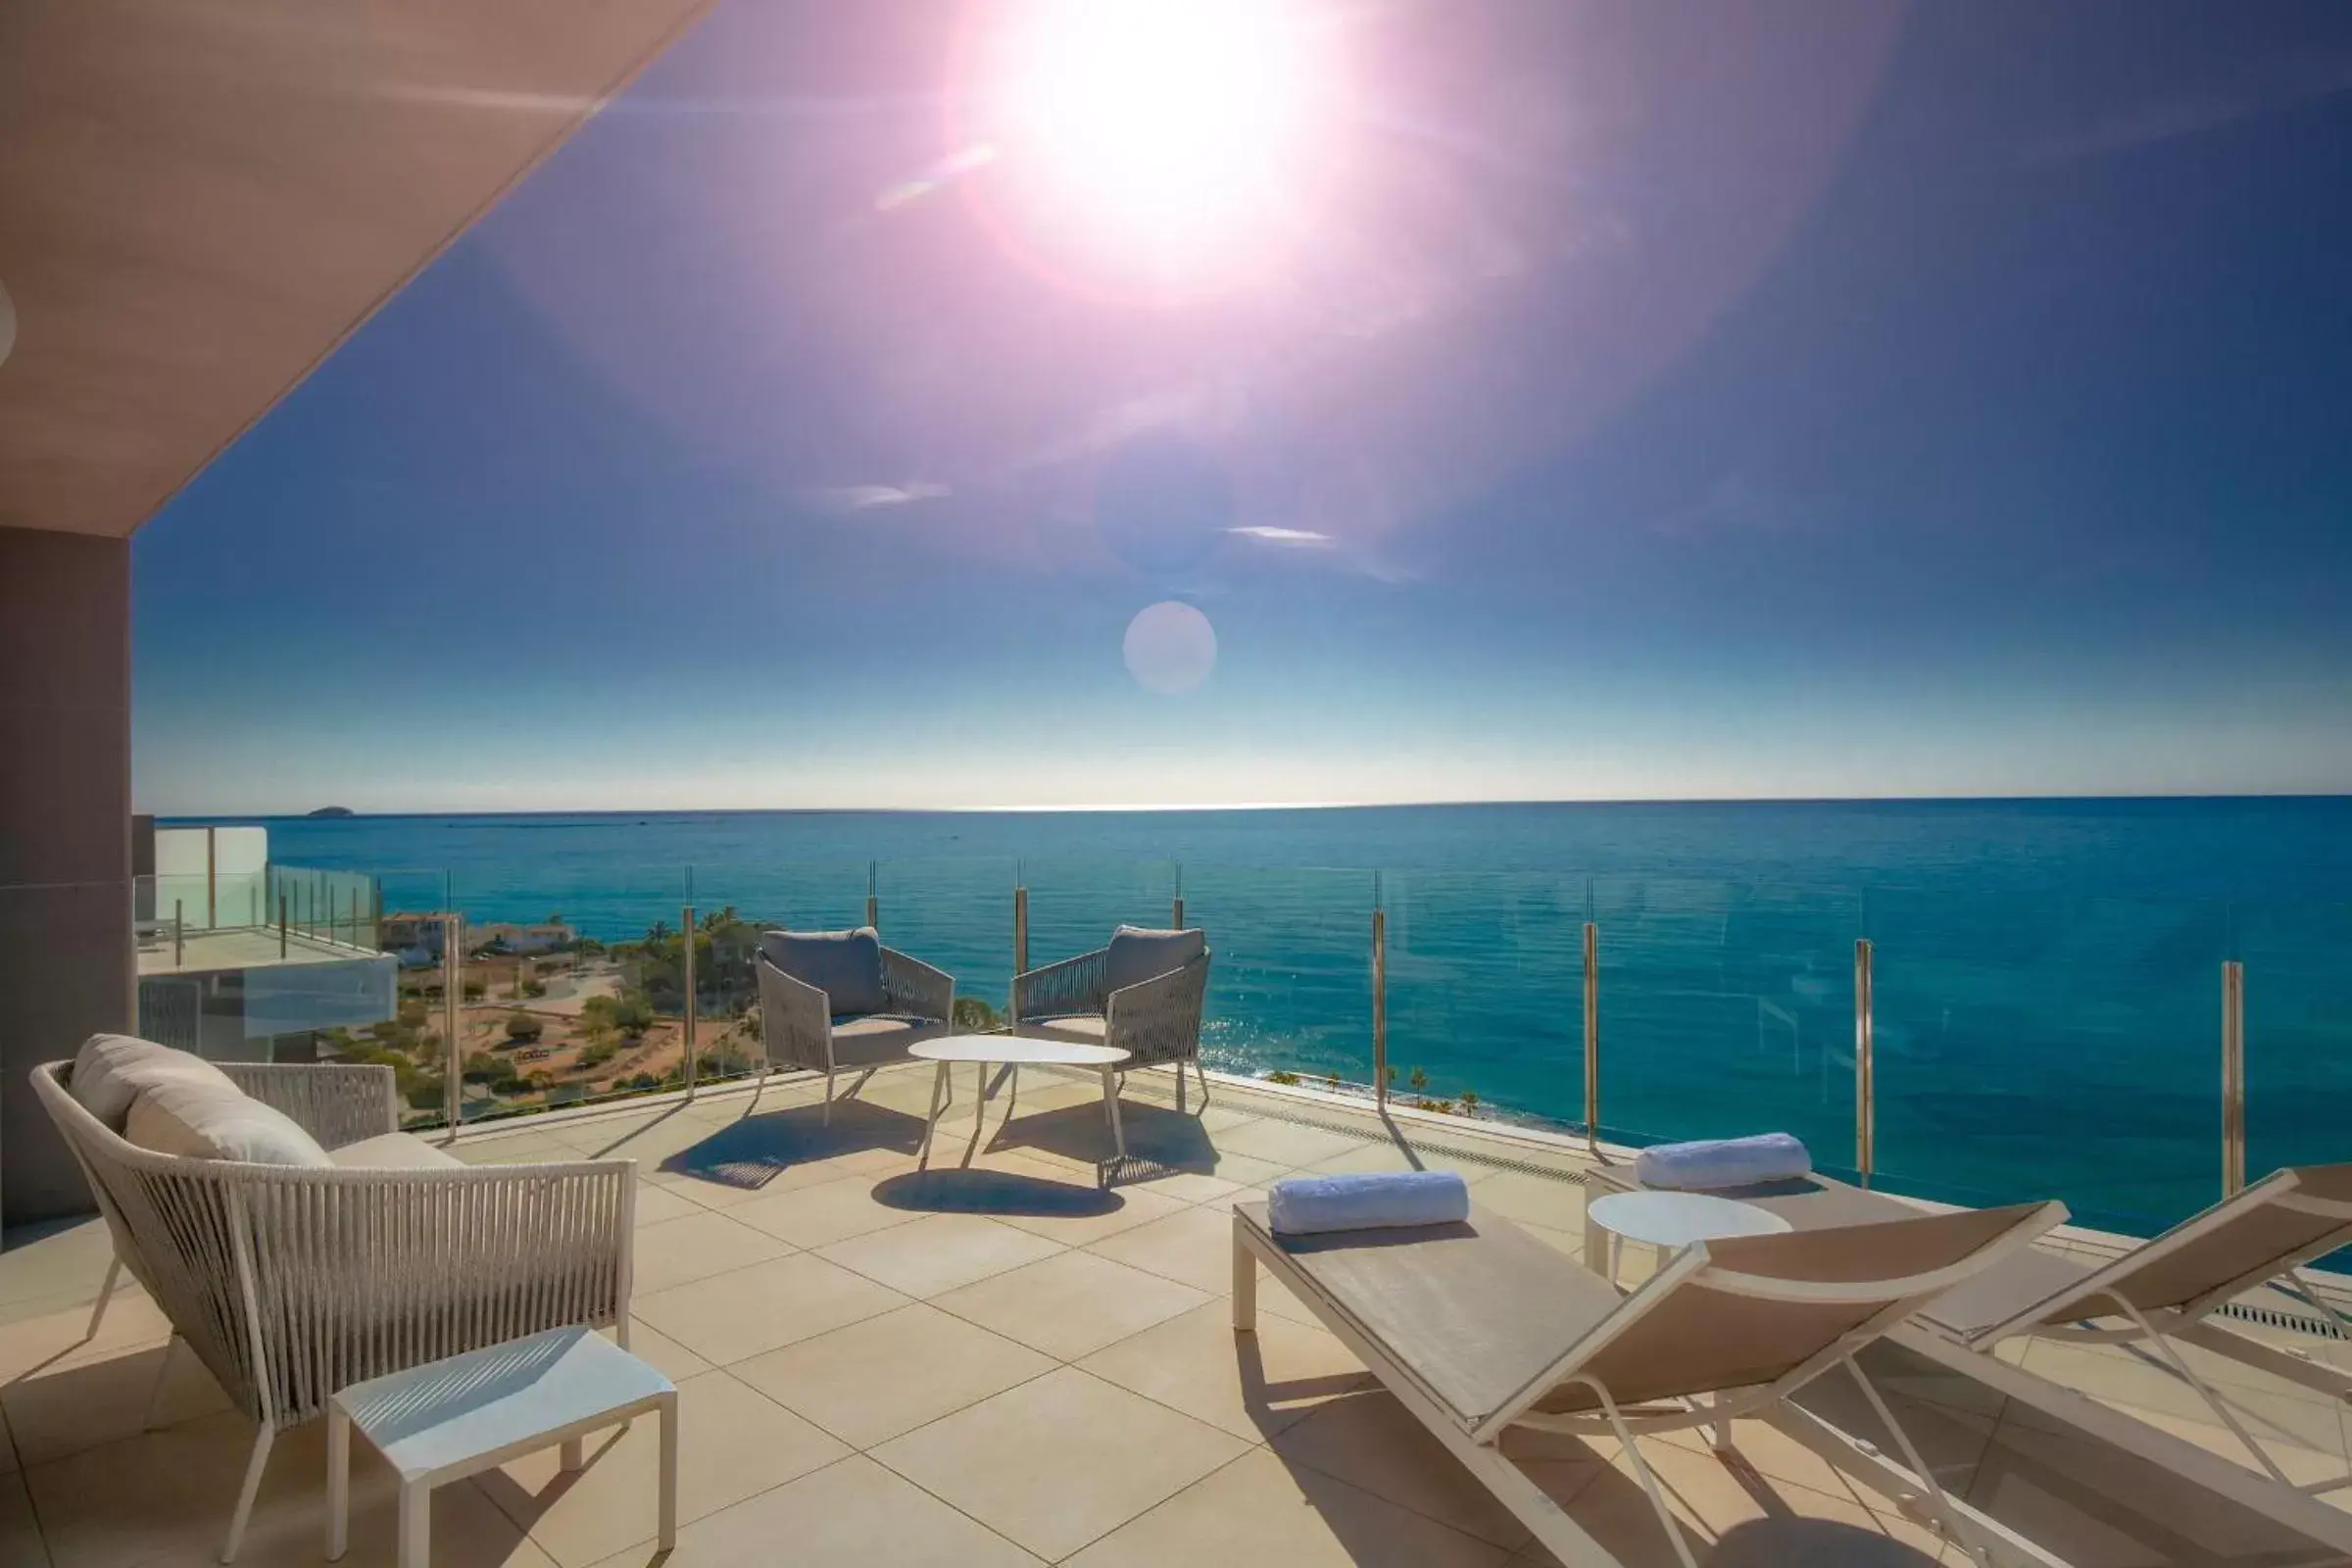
(1172, 139)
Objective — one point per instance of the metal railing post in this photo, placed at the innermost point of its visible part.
(1591, 1035)
(2233, 1078)
(1380, 999)
(1176, 906)
(212, 881)
(686, 919)
(179, 933)
(282, 925)
(375, 916)
(1020, 954)
(1865, 1089)
(873, 904)
(453, 985)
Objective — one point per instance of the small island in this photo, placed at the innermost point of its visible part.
(332, 811)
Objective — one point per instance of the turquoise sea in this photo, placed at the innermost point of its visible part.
(2048, 974)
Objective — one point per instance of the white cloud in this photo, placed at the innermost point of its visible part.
(1291, 538)
(867, 497)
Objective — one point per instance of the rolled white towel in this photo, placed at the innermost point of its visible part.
(1699, 1167)
(1301, 1206)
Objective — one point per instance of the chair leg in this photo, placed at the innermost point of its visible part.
(1642, 1470)
(155, 1394)
(1201, 1073)
(237, 1521)
(1179, 1086)
(106, 1293)
(829, 1118)
(1945, 1514)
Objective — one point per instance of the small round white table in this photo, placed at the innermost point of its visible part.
(1672, 1221)
(1017, 1051)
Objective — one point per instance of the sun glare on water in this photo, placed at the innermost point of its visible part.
(1168, 142)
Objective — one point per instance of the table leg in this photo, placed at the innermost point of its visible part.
(575, 1454)
(1111, 1109)
(338, 1482)
(670, 1472)
(415, 1525)
(939, 1085)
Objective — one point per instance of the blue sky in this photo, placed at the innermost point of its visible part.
(1629, 401)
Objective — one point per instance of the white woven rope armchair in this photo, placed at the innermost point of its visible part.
(1142, 993)
(830, 1000)
(289, 1283)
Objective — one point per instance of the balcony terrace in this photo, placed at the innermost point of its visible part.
(1019, 1355)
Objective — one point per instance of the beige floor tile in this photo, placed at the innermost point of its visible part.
(939, 1253)
(1060, 1460)
(1387, 1156)
(733, 1444)
(851, 1514)
(1370, 1441)
(163, 1499)
(833, 1212)
(9, 1463)
(1072, 1304)
(696, 1246)
(890, 1374)
(1287, 1144)
(57, 1259)
(1536, 1201)
(731, 1317)
(1195, 1247)
(1259, 1510)
(31, 1346)
(663, 1353)
(2281, 1413)
(1252, 1386)
(1185, 1186)
(79, 1404)
(467, 1529)
(20, 1543)
(1100, 1213)
(655, 1204)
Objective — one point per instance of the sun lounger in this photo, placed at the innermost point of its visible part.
(1481, 1331)
(2159, 1296)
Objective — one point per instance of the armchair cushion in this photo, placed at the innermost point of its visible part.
(1078, 1028)
(1137, 954)
(110, 1071)
(875, 1039)
(846, 966)
(190, 1117)
(394, 1151)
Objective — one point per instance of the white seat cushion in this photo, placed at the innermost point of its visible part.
(1082, 1029)
(110, 1070)
(197, 1120)
(393, 1152)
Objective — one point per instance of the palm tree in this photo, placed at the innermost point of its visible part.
(1419, 1080)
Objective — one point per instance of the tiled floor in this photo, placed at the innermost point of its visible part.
(998, 1360)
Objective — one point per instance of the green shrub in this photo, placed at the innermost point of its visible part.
(522, 1028)
(974, 1015)
(1282, 1076)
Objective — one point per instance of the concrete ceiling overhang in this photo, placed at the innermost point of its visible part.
(200, 199)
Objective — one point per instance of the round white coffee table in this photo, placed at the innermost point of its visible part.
(1017, 1052)
(1672, 1221)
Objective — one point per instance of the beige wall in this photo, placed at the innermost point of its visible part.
(66, 956)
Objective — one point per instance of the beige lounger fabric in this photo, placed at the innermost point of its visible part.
(1481, 1308)
(110, 1071)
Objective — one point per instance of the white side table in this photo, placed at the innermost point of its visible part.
(1672, 1221)
(1013, 1051)
(461, 1416)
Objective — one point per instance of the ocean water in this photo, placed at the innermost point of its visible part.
(2047, 973)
